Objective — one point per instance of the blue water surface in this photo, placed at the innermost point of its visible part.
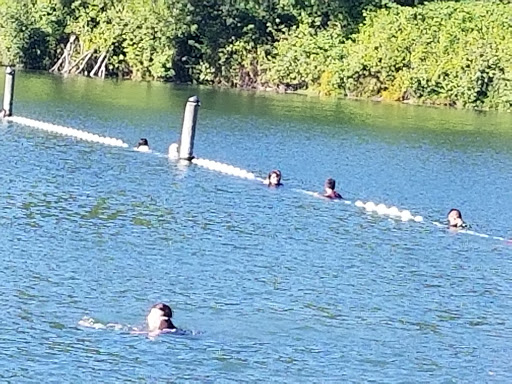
(272, 285)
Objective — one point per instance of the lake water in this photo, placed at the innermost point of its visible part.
(272, 285)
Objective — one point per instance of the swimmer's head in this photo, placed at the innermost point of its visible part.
(159, 318)
(455, 218)
(143, 142)
(330, 184)
(173, 151)
(274, 178)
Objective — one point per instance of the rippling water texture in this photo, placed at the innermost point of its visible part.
(277, 286)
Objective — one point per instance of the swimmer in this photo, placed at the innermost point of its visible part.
(330, 192)
(173, 151)
(273, 179)
(3, 113)
(159, 320)
(142, 145)
(455, 219)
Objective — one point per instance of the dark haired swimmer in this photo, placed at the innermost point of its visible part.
(273, 179)
(330, 191)
(455, 219)
(142, 145)
(159, 319)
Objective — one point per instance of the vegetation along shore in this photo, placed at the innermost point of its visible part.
(433, 52)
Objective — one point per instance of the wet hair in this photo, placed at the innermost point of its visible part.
(459, 214)
(276, 172)
(143, 141)
(330, 183)
(167, 311)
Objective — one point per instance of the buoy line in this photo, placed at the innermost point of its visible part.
(76, 133)
(380, 209)
(370, 206)
(224, 168)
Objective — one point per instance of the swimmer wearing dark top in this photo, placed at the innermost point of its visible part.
(455, 219)
(330, 192)
(143, 142)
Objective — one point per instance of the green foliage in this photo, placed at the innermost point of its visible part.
(14, 31)
(444, 53)
(140, 36)
(30, 31)
(306, 58)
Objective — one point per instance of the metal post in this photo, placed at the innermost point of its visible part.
(8, 91)
(188, 131)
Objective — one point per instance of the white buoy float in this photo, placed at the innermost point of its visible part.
(370, 206)
(406, 215)
(393, 211)
(76, 133)
(381, 209)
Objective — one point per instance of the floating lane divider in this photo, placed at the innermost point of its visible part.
(382, 209)
(370, 206)
(473, 233)
(82, 135)
(225, 168)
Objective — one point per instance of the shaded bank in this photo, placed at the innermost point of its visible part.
(448, 53)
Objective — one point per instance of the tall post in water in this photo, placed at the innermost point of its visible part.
(188, 131)
(8, 91)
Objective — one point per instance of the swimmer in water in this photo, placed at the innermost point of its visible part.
(159, 320)
(330, 192)
(173, 151)
(455, 219)
(3, 113)
(273, 179)
(142, 145)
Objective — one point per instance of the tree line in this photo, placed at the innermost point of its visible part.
(453, 53)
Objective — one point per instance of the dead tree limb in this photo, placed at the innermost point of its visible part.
(98, 64)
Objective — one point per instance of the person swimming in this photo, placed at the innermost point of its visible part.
(455, 219)
(273, 178)
(174, 151)
(330, 192)
(159, 319)
(142, 145)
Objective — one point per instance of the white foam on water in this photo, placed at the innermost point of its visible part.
(76, 133)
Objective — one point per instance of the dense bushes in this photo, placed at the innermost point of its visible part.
(452, 53)
(445, 53)
(30, 32)
(307, 57)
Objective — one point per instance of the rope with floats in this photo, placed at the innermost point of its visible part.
(184, 152)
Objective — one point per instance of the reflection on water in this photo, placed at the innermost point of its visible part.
(283, 286)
